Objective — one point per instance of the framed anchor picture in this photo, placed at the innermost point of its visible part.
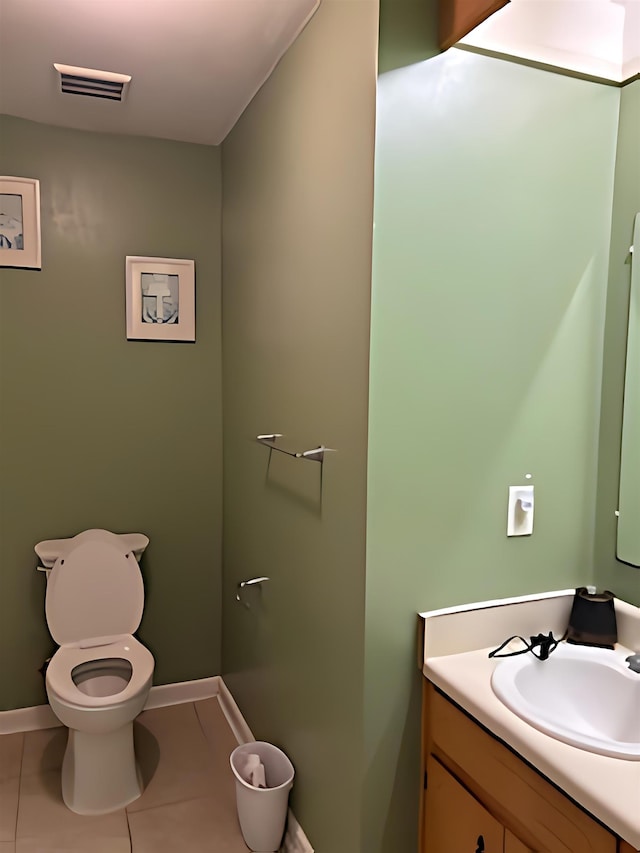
(20, 223)
(160, 299)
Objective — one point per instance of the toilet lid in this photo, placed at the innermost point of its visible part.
(94, 590)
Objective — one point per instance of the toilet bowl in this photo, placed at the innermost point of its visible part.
(98, 680)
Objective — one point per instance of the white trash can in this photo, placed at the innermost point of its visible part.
(262, 812)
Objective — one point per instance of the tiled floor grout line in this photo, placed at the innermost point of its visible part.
(201, 726)
(163, 805)
(126, 813)
(15, 828)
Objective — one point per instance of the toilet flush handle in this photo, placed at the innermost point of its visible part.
(250, 582)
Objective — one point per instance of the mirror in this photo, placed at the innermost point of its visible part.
(628, 544)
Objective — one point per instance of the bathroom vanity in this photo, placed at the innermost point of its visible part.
(492, 782)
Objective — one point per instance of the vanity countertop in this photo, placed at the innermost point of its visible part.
(456, 646)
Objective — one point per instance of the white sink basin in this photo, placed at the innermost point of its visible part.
(584, 696)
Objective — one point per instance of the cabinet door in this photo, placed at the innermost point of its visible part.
(454, 820)
(514, 845)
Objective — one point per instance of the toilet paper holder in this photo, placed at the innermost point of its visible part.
(251, 582)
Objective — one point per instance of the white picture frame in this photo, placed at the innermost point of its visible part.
(20, 223)
(160, 299)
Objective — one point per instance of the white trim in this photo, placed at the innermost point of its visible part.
(28, 720)
(42, 717)
(182, 691)
(233, 715)
(295, 841)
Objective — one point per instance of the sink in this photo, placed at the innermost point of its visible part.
(584, 696)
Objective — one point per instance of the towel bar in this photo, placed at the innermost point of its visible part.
(316, 454)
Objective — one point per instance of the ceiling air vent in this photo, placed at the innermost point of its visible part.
(92, 83)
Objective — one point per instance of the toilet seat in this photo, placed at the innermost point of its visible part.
(126, 647)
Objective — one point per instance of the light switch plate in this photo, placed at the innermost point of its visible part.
(520, 511)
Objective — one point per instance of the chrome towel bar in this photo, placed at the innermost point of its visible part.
(316, 454)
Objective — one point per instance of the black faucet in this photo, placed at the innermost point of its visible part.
(634, 662)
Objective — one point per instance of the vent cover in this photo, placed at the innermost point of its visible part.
(92, 83)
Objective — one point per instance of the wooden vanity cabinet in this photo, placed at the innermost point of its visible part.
(514, 845)
(455, 820)
(480, 797)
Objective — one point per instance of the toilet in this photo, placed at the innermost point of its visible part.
(99, 679)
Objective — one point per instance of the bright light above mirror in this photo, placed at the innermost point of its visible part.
(596, 38)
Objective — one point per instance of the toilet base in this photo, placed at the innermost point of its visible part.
(99, 771)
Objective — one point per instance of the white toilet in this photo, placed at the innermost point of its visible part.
(99, 679)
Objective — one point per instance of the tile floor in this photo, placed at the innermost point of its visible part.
(188, 805)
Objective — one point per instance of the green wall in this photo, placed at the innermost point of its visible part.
(610, 573)
(493, 197)
(408, 33)
(297, 220)
(96, 431)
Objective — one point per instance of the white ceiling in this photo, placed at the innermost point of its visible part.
(195, 64)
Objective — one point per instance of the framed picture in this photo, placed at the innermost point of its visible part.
(20, 223)
(161, 304)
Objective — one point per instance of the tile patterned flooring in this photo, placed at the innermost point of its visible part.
(188, 805)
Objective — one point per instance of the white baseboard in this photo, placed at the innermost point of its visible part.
(237, 722)
(28, 719)
(183, 691)
(42, 717)
(295, 841)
